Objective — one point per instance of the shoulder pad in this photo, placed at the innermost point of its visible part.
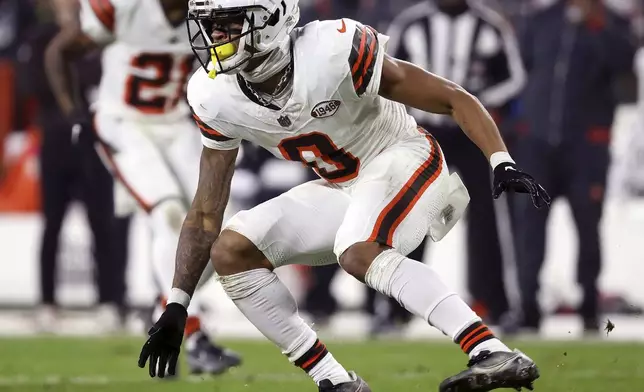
(104, 11)
(330, 37)
(346, 46)
(100, 18)
(200, 91)
(205, 106)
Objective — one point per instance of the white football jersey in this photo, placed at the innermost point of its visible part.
(147, 60)
(334, 121)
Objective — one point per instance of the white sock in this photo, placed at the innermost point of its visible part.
(420, 290)
(267, 303)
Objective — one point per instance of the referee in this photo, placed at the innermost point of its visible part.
(475, 47)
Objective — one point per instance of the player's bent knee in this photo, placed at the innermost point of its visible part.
(357, 259)
(233, 253)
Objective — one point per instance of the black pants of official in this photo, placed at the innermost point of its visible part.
(576, 171)
(74, 170)
(485, 279)
(319, 301)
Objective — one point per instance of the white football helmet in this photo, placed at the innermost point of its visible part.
(266, 24)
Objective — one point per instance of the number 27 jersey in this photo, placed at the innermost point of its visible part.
(146, 60)
(334, 122)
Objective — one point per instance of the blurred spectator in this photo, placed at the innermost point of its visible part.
(475, 47)
(16, 17)
(375, 13)
(71, 169)
(573, 52)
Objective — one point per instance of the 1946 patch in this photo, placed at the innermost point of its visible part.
(325, 109)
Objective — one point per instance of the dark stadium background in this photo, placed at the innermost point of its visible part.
(90, 361)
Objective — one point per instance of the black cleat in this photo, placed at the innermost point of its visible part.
(209, 358)
(357, 385)
(488, 371)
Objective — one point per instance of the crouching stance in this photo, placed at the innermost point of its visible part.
(328, 96)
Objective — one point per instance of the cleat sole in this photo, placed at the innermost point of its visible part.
(486, 382)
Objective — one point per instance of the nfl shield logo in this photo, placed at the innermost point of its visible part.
(284, 121)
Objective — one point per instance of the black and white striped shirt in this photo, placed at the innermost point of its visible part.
(476, 49)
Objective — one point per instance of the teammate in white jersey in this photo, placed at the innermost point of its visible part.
(146, 132)
(328, 96)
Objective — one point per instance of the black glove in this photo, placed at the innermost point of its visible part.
(164, 342)
(507, 178)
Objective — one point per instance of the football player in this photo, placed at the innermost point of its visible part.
(327, 95)
(144, 125)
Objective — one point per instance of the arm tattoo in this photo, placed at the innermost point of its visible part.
(203, 222)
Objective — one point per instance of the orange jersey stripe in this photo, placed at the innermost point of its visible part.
(369, 61)
(104, 11)
(208, 131)
(400, 206)
(363, 44)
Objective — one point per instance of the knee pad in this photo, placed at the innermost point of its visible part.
(169, 213)
(244, 284)
(380, 272)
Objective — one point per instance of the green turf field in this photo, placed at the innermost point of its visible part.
(109, 365)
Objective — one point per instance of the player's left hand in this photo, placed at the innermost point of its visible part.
(164, 342)
(507, 178)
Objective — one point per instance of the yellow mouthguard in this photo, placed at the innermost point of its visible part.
(222, 52)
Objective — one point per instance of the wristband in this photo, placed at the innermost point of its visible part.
(180, 297)
(500, 157)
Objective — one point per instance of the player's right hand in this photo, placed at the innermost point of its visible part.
(164, 342)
